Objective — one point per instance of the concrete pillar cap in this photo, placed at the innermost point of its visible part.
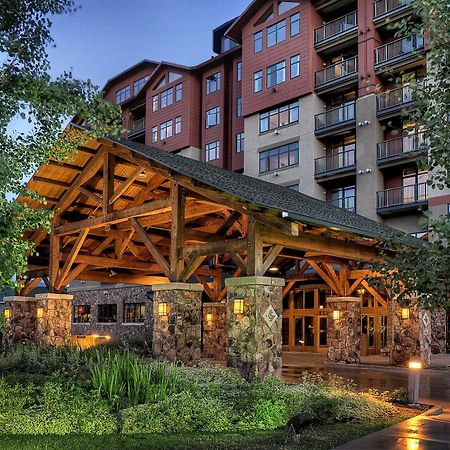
(18, 298)
(177, 287)
(255, 281)
(342, 299)
(53, 296)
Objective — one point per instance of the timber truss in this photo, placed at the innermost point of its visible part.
(123, 218)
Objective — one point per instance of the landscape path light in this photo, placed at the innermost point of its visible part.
(414, 381)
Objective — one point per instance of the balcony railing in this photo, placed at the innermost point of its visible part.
(395, 98)
(400, 47)
(405, 195)
(336, 71)
(137, 126)
(382, 7)
(336, 116)
(335, 27)
(331, 163)
(392, 148)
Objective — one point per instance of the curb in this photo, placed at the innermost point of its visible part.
(435, 410)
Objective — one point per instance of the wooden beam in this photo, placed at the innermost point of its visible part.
(254, 247)
(228, 223)
(326, 278)
(125, 242)
(108, 182)
(178, 203)
(90, 194)
(375, 294)
(193, 264)
(146, 280)
(288, 287)
(30, 286)
(125, 185)
(54, 256)
(206, 287)
(215, 248)
(151, 247)
(238, 261)
(270, 257)
(355, 284)
(112, 263)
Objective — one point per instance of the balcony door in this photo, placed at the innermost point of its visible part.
(414, 185)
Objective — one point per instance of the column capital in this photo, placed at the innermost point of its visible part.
(255, 281)
(177, 287)
(18, 298)
(53, 296)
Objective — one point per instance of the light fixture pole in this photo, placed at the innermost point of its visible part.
(414, 381)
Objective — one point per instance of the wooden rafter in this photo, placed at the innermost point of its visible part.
(270, 257)
(125, 185)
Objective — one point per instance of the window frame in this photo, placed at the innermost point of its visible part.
(126, 92)
(276, 30)
(240, 142)
(154, 134)
(155, 103)
(212, 113)
(212, 147)
(213, 83)
(168, 96)
(259, 79)
(292, 150)
(276, 70)
(129, 311)
(239, 107)
(239, 71)
(179, 92)
(86, 316)
(293, 20)
(107, 305)
(294, 64)
(178, 125)
(292, 109)
(167, 125)
(258, 42)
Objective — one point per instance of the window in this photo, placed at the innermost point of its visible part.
(295, 66)
(284, 7)
(213, 83)
(258, 42)
(177, 125)
(276, 33)
(278, 157)
(139, 84)
(174, 77)
(133, 312)
(154, 134)
(166, 98)
(155, 103)
(213, 117)
(123, 94)
(161, 83)
(344, 197)
(239, 71)
(239, 107)
(257, 81)
(294, 187)
(239, 142)
(107, 313)
(178, 92)
(81, 314)
(276, 74)
(278, 117)
(295, 24)
(166, 130)
(212, 151)
(268, 15)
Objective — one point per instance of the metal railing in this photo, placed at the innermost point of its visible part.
(137, 126)
(413, 193)
(397, 48)
(348, 203)
(337, 70)
(335, 27)
(381, 7)
(341, 160)
(401, 145)
(395, 97)
(335, 116)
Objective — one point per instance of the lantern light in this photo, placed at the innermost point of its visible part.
(361, 291)
(7, 314)
(162, 309)
(405, 313)
(40, 312)
(238, 307)
(209, 318)
(336, 314)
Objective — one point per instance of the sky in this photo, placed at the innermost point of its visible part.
(106, 37)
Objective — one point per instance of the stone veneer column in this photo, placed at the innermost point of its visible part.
(215, 331)
(410, 338)
(21, 326)
(254, 337)
(54, 327)
(344, 333)
(438, 331)
(177, 335)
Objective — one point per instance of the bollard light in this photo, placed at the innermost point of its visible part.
(336, 314)
(405, 313)
(414, 381)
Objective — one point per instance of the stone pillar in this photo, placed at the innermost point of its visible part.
(438, 331)
(215, 331)
(254, 332)
(54, 318)
(177, 322)
(344, 330)
(410, 337)
(21, 324)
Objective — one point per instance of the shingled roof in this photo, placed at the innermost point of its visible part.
(298, 206)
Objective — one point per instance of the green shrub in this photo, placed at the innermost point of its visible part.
(52, 408)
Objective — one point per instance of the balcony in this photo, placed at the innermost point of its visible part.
(401, 150)
(336, 120)
(386, 11)
(335, 166)
(403, 53)
(405, 198)
(394, 102)
(330, 6)
(137, 127)
(338, 76)
(337, 34)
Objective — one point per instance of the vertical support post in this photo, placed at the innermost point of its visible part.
(55, 256)
(177, 201)
(254, 247)
(108, 182)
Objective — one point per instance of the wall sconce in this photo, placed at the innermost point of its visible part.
(7, 314)
(405, 313)
(162, 309)
(209, 319)
(40, 312)
(336, 314)
(238, 307)
(361, 291)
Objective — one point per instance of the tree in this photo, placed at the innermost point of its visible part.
(424, 268)
(30, 95)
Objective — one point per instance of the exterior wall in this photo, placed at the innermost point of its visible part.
(438, 331)
(21, 327)
(119, 331)
(214, 336)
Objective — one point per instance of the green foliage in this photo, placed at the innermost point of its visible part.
(33, 110)
(52, 408)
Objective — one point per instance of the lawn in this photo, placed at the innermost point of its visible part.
(113, 399)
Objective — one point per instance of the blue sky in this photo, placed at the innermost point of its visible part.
(106, 36)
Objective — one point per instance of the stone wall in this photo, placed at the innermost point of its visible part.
(124, 332)
(215, 331)
(411, 337)
(344, 333)
(254, 337)
(177, 335)
(438, 331)
(21, 326)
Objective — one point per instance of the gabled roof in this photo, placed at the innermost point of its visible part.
(235, 30)
(127, 72)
